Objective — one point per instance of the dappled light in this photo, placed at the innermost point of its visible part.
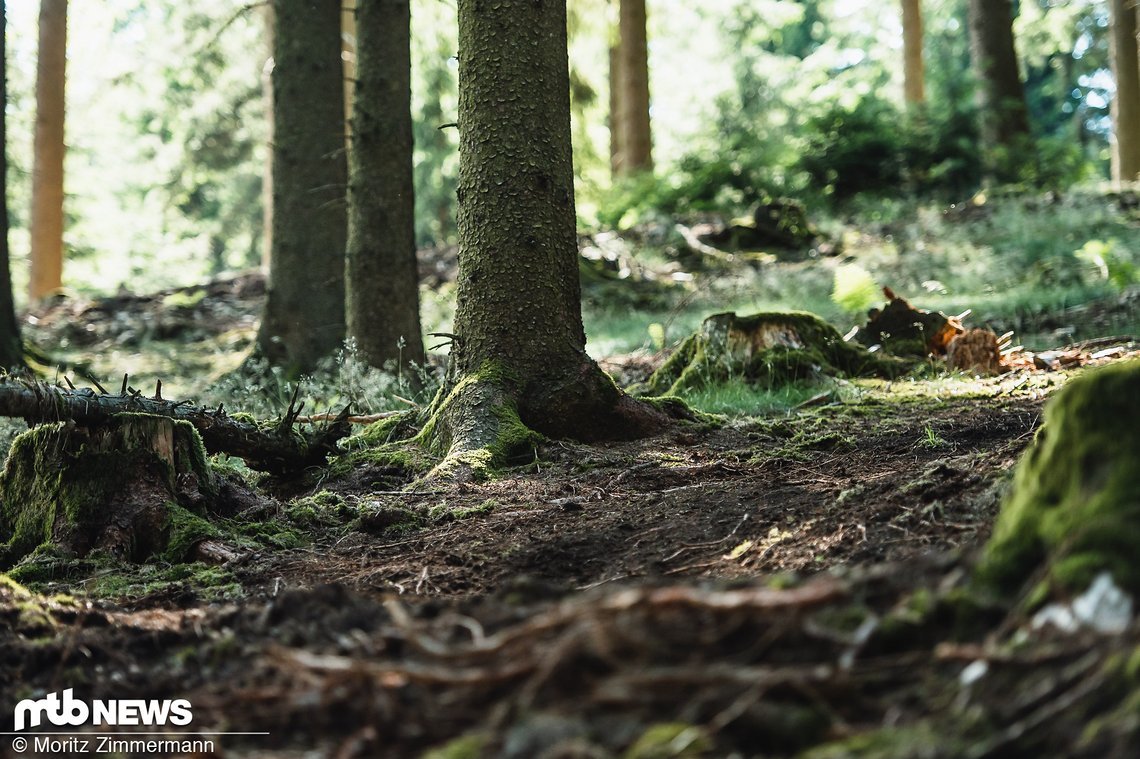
(576, 378)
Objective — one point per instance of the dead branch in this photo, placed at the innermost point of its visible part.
(277, 449)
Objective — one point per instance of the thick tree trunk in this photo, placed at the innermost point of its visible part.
(914, 71)
(47, 172)
(268, 24)
(1126, 103)
(633, 89)
(1006, 139)
(11, 346)
(382, 306)
(519, 350)
(304, 311)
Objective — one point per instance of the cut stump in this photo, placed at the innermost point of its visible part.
(133, 488)
(772, 349)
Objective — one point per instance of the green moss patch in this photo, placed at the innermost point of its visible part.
(1075, 504)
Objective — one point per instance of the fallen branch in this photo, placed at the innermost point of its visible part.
(277, 449)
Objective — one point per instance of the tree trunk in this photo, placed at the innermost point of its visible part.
(1006, 140)
(616, 156)
(1126, 103)
(914, 72)
(382, 293)
(348, 47)
(11, 346)
(518, 356)
(633, 89)
(304, 311)
(46, 274)
(267, 170)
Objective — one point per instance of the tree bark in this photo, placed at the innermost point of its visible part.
(633, 89)
(1126, 102)
(348, 48)
(46, 226)
(1006, 138)
(914, 71)
(11, 346)
(304, 312)
(616, 156)
(382, 294)
(268, 24)
(519, 350)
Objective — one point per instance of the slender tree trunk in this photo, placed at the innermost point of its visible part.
(519, 349)
(11, 347)
(1006, 138)
(1126, 103)
(348, 47)
(633, 89)
(267, 171)
(382, 305)
(304, 310)
(47, 172)
(616, 155)
(914, 71)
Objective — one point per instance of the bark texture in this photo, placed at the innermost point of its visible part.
(1126, 103)
(46, 274)
(383, 307)
(914, 70)
(635, 142)
(1006, 140)
(304, 311)
(268, 24)
(519, 352)
(11, 346)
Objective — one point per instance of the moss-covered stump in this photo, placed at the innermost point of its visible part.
(133, 488)
(767, 348)
(1075, 505)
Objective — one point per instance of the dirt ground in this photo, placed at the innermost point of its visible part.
(782, 586)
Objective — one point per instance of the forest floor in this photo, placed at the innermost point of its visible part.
(784, 585)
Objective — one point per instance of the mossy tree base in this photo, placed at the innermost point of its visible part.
(767, 348)
(132, 488)
(1075, 505)
(490, 419)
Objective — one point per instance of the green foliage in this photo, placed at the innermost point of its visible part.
(855, 290)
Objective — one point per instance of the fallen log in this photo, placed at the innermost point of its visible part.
(278, 447)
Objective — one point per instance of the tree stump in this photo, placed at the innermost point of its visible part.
(134, 487)
(767, 348)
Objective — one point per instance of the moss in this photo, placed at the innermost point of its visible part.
(669, 740)
(771, 349)
(1075, 503)
(476, 429)
(470, 746)
(389, 521)
(382, 431)
(444, 513)
(184, 531)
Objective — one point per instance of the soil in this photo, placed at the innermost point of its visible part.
(763, 587)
